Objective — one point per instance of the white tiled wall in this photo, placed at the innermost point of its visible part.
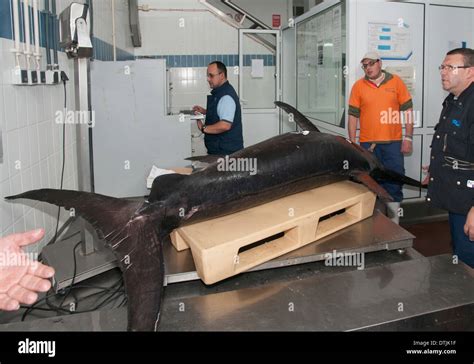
(32, 146)
(190, 87)
(32, 140)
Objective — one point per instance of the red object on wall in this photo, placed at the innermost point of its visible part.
(276, 20)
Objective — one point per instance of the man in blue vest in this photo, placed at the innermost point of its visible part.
(223, 127)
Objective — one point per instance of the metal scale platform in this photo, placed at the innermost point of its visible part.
(370, 235)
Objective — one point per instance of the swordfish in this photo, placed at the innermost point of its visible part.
(285, 164)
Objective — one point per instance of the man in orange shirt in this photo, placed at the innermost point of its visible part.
(378, 101)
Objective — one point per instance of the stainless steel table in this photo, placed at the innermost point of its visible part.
(411, 293)
(418, 294)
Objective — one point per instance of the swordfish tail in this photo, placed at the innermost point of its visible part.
(133, 235)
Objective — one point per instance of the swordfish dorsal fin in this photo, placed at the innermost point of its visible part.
(133, 235)
(302, 121)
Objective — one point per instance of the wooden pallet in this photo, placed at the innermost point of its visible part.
(232, 244)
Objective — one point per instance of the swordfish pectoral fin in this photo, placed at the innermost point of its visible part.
(134, 240)
(208, 158)
(371, 184)
(392, 176)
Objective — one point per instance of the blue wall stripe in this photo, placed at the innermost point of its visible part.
(6, 20)
(202, 60)
(22, 22)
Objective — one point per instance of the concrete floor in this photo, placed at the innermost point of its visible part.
(432, 238)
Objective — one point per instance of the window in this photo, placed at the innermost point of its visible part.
(320, 54)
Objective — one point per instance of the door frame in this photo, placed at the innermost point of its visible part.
(242, 33)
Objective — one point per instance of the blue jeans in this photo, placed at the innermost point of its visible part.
(462, 246)
(391, 158)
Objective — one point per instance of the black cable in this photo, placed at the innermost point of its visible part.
(39, 309)
(106, 300)
(70, 287)
(32, 307)
(64, 78)
(124, 301)
(98, 287)
(96, 307)
(73, 275)
(58, 309)
(60, 231)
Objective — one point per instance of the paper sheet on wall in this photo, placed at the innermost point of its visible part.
(257, 68)
(391, 40)
(406, 73)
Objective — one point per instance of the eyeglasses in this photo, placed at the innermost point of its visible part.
(369, 64)
(450, 67)
(210, 75)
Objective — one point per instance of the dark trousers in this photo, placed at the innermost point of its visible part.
(391, 157)
(462, 246)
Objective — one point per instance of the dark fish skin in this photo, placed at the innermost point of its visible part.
(285, 164)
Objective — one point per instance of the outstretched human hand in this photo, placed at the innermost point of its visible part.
(21, 277)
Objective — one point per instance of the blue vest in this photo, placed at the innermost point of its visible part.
(230, 141)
